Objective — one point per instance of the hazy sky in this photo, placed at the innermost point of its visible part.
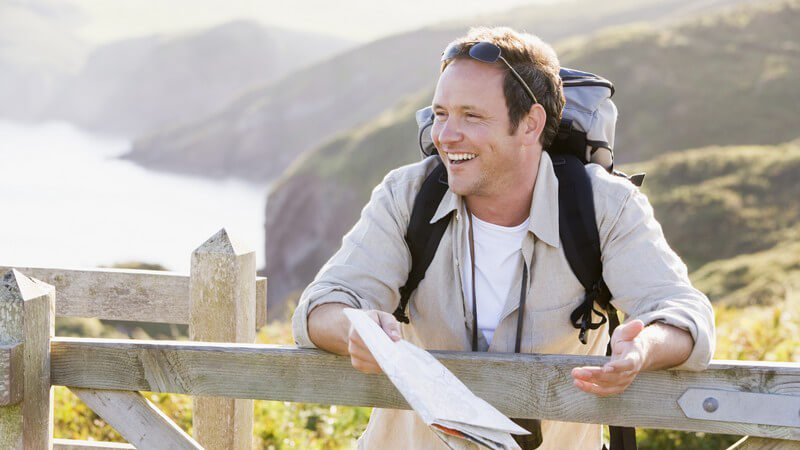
(361, 20)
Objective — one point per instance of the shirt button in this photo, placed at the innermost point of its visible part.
(458, 216)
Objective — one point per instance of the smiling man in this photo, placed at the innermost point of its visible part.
(497, 105)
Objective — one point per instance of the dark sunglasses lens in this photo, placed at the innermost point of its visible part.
(451, 51)
(485, 51)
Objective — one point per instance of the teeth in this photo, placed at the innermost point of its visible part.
(461, 156)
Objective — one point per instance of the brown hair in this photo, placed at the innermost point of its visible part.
(537, 64)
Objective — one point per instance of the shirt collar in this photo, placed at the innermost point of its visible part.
(544, 204)
(450, 202)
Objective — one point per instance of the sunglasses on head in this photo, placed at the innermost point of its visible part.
(484, 52)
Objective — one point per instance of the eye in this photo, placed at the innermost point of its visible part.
(471, 115)
(440, 115)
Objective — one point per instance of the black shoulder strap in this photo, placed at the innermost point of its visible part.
(579, 237)
(422, 236)
(581, 241)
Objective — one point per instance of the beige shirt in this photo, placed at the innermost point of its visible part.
(647, 279)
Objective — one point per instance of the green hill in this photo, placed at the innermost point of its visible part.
(693, 102)
(720, 202)
(762, 278)
(732, 214)
(724, 79)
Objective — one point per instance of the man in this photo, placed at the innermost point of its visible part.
(491, 125)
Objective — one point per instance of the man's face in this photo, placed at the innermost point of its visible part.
(471, 130)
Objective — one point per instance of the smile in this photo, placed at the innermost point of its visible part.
(457, 158)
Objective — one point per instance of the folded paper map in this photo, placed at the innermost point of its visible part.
(443, 402)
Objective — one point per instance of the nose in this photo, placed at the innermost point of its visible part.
(445, 132)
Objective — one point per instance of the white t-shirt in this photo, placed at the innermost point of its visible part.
(498, 258)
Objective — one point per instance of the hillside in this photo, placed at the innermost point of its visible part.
(136, 85)
(720, 202)
(319, 197)
(732, 214)
(259, 135)
(762, 278)
(726, 79)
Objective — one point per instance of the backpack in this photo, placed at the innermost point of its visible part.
(585, 135)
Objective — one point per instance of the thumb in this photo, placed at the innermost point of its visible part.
(390, 325)
(628, 331)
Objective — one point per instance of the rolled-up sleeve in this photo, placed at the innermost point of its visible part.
(649, 281)
(369, 268)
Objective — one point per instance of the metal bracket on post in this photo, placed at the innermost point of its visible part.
(744, 407)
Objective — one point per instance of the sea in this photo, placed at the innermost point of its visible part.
(67, 200)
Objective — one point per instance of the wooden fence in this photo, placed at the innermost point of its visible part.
(224, 303)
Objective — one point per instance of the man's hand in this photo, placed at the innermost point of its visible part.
(628, 355)
(360, 356)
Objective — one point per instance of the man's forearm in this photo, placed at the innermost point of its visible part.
(328, 328)
(666, 346)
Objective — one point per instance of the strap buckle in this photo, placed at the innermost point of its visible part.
(582, 316)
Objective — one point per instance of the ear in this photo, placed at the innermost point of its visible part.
(532, 125)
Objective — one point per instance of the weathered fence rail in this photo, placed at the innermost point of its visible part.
(124, 294)
(224, 303)
(533, 386)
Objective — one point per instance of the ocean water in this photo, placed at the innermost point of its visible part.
(66, 200)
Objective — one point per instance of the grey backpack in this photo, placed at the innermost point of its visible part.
(588, 122)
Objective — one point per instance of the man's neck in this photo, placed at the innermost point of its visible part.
(511, 204)
(508, 210)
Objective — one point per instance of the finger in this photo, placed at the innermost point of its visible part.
(620, 365)
(360, 353)
(586, 372)
(593, 374)
(354, 339)
(595, 389)
(608, 379)
(390, 325)
(617, 379)
(356, 348)
(365, 366)
(607, 383)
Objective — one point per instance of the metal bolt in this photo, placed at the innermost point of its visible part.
(710, 404)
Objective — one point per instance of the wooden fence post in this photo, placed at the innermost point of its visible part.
(27, 321)
(223, 295)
